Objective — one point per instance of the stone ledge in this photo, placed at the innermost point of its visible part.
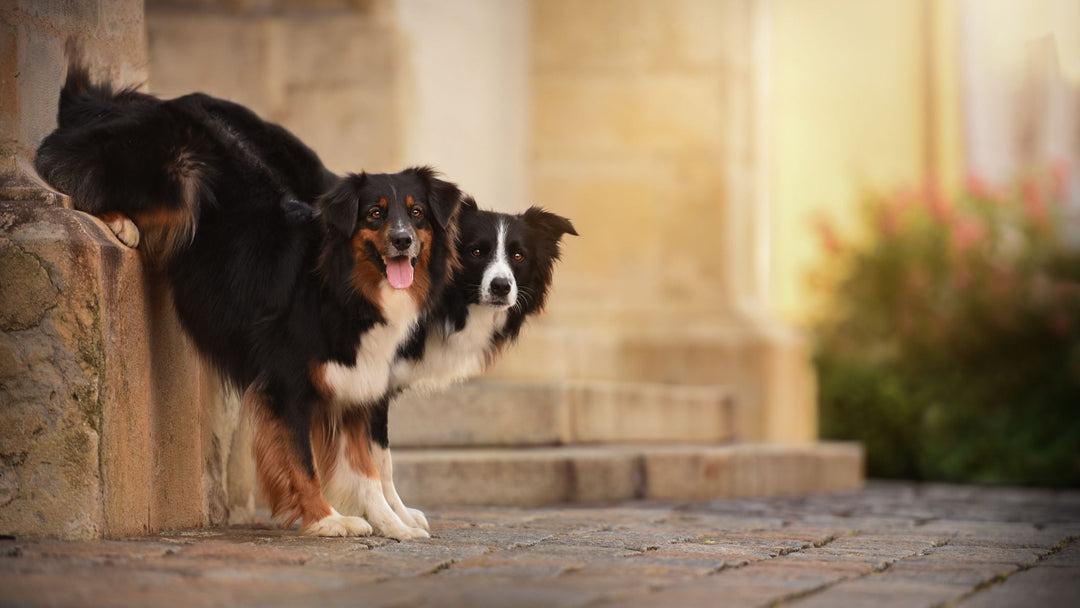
(562, 413)
(590, 474)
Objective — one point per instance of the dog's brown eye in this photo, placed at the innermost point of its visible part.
(416, 212)
(476, 252)
(518, 256)
(374, 213)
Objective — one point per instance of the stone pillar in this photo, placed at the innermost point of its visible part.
(101, 396)
(329, 71)
(649, 125)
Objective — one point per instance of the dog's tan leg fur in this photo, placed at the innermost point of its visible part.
(293, 493)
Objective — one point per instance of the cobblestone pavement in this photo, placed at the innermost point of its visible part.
(888, 545)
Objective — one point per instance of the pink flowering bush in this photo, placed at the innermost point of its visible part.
(952, 343)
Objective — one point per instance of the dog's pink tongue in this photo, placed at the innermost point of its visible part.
(399, 272)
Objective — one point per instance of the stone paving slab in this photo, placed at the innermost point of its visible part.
(890, 544)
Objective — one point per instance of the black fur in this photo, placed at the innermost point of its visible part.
(263, 287)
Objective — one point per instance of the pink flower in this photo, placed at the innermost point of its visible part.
(976, 186)
(936, 203)
(889, 220)
(1034, 206)
(829, 238)
(967, 232)
(1059, 179)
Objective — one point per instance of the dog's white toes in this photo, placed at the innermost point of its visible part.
(337, 524)
(124, 229)
(418, 517)
(404, 533)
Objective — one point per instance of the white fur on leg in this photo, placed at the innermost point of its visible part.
(411, 517)
(418, 517)
(353, 492)
(124, 229)
(337, 524)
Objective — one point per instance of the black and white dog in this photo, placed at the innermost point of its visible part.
(507, 266)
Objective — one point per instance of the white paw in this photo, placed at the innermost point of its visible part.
(124, 229)
(403, 532)
(418, 517)
(337, 524)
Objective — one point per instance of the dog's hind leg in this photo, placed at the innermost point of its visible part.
(289, 481)
(122, 226)
(352, 480)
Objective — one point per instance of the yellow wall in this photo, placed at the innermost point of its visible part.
(864, 97)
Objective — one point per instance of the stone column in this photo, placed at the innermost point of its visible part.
(649, 130)
(100, 394)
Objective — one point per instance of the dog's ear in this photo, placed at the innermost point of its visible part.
(340, 205)
(443, 197)
(547, 223)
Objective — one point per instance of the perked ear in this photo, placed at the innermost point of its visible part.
(554, 226)
(339, 206)
(443, 197)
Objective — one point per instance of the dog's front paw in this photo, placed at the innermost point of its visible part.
(337, 524)
(403, 533)
(418, 517)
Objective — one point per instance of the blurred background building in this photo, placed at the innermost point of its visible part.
(694, 143)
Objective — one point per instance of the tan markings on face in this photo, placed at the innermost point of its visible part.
(421, 271)
(291, 492)
(367, 275)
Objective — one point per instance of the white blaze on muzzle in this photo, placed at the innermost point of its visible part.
(499, 268)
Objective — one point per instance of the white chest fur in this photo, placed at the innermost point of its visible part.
(368, 378)
(450, 356)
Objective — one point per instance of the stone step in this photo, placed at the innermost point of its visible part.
(562, 413)
(766, 368)
(597, 474)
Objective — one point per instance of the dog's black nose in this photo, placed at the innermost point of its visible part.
(401, 240)
(500, 286)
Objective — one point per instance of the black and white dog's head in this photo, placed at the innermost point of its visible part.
(507, 260)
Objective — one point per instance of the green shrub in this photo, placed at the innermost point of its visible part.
(951, 346)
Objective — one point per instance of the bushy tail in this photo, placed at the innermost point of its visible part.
(83, 101)
(117, 150)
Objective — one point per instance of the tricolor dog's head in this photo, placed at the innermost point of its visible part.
(507, 260)
(395, 229)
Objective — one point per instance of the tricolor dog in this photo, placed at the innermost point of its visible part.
(305, 318)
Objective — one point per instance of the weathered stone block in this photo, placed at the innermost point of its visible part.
(481, 414)
(56, 460)
(550, 413)
(688, 474)
(604, 412)
(594, 116)
(475, 477)
(608, 473)
(352, 127)
(222, 55)
(634, 35)
(338, 49)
